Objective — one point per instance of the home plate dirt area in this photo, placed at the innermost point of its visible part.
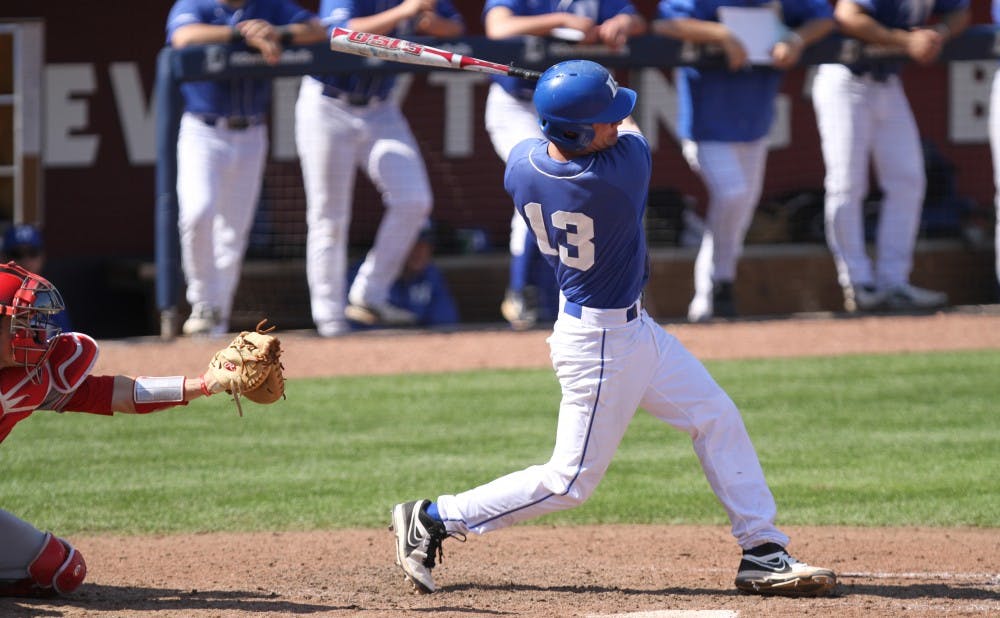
(591, 571)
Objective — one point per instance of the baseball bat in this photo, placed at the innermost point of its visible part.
(401, 50)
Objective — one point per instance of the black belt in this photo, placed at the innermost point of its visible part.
(878, 74)
(356, 99)
(233, 123)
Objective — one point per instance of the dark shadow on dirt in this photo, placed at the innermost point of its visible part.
(98, 598)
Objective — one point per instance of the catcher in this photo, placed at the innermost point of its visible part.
(42, 368)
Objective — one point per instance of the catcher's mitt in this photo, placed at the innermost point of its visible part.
(250, 367)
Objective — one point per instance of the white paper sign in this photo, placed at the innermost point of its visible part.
(757, 28)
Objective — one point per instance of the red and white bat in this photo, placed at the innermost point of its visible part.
(401, 50)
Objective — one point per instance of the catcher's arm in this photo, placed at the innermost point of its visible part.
(131, 395)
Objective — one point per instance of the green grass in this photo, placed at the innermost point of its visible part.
(908, 439)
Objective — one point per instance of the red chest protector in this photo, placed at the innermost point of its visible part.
(73, 356)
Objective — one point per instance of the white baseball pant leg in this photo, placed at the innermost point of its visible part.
(20, 543)
(605, 374)
(219, 175)
(898, 159)
(509, 121)
(733, 173)
(329, 142)
(995, 149)
(862, 120)
(391, 158)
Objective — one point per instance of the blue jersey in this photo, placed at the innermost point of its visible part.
(336, 13)
(731, 106)
(235, 97)
(902, 14)
(996, 11)
(589, 214)
(598, 10)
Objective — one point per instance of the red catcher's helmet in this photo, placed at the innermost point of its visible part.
(30, 301)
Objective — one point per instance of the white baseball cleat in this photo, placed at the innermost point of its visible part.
(380, 315)
(204, 320)
(418, 542)
(768, 570)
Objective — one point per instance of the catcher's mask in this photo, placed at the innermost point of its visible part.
(572, 96)
(31, 302)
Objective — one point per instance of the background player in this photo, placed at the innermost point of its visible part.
(510, 117)
(344, 122)
(729, 150)
(864, 117)
(422, 288)
(583, 192)
(222, 146)
(995, 149)
(42, 368)
(23, 243)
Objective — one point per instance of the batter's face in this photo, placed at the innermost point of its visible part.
(605, 136)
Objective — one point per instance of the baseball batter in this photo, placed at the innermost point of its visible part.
(582, 190)
(346, 122)
(995, 149)
(42, 368)
(729, 150)
(864, 117)
(510, 118)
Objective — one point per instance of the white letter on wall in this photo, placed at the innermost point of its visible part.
(136, 112)
(65, 115)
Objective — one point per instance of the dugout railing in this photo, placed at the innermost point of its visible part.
(216, 62)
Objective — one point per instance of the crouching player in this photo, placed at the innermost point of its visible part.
(42, 368)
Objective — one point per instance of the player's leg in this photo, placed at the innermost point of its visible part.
(995, 150)
(328, 144)
(509, 121)
(238, 199)
(683, 394)
(842, 102)
(732, 174)
(396, 167)
(202, 152)
(34, 563)
(899, 166)
(601, 375)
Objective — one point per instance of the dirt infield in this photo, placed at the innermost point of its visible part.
(538, 570)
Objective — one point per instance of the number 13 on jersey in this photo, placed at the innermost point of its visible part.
(579, 230)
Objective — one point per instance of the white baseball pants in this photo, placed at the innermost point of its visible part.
(995, 148)
(334, 139)
(733, 173)
(219, 173)
(864, 121)
(606, 373)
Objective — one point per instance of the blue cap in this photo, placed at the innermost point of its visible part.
(22, 235)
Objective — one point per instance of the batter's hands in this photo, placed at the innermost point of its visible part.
(263, 37)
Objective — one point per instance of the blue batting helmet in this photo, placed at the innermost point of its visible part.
(573, 95)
